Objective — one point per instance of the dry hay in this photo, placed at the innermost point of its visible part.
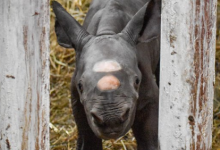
(63, 132)
(216, 121)
(216, 113)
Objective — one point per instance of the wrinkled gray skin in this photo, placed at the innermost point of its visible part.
(126, 31)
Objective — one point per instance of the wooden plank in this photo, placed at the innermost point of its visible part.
(187, 74)
(24, 74)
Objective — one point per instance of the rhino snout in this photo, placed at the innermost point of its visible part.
(113, 119)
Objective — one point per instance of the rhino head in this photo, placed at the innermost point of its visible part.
(107, 76)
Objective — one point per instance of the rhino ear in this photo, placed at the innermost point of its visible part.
(62, 37)
(146, 19)
(70, 33)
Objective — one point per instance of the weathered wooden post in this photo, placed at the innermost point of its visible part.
(24, 74)
(187, 74)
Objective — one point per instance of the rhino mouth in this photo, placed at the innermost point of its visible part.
(110, 133)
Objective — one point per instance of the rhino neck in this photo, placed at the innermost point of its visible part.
(112, 22)
(110, 16)
(109, 20)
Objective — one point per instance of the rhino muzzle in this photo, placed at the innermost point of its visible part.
(112, 122)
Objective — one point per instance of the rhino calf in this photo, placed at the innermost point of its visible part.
(117, 55)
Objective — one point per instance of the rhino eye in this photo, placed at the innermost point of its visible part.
(80, 87)
(136, 84)
(137, 81)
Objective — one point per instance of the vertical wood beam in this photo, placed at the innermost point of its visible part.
(24, 74)
(188, 33)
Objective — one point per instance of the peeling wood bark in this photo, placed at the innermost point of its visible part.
(24, 74)
(187, 74)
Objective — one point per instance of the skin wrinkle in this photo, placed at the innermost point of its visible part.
(111, 107)
(116, 103)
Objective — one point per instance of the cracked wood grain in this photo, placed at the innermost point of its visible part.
(187, 74)
(24, 75)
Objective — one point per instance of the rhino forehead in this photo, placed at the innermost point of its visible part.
(108, 82)
(107, 66)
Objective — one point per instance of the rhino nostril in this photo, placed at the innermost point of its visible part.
(125, 114)
(97, 119)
